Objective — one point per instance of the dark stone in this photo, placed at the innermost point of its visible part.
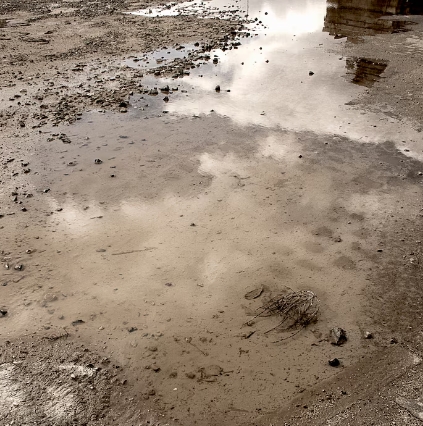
(337, 336)
(334, 362)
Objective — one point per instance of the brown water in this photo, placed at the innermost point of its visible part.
(278, 180)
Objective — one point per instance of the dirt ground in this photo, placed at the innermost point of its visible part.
(130, 236)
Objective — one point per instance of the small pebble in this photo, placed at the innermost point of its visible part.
(334, 362)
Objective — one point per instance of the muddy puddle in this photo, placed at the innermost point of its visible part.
(285, 76)
(236, 171)
(236, 10)
(160, 58)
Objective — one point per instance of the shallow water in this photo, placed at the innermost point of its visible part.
(236, 9)
(160, 57)
(276, 180)
(344, 19)
(285, 76)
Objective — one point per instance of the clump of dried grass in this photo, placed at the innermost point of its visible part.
(296, 309)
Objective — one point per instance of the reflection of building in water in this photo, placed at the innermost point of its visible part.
(365, 72)
(362, 17)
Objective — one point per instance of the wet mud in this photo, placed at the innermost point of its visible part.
(152, 204)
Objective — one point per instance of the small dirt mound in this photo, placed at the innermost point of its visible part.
(55, 382)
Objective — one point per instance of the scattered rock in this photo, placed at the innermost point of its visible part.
(97, 161)
(334, 362)
(254, 294)
(64, 138)
(337, 336)
(368, 335)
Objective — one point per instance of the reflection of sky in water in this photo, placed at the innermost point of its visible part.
(269, 82)
(281, 93)
(277, 16)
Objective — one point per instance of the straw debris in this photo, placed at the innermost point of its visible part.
(296, 309)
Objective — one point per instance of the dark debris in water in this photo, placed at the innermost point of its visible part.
(295, 309)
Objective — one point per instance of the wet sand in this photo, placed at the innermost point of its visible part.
(141, 224)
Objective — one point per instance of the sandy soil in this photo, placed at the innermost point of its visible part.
(124, 280)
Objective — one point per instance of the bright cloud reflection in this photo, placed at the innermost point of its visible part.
(266, 81)
(295, 19)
